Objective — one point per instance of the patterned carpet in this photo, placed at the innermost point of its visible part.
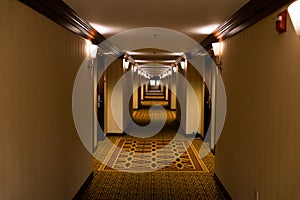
(149, 155)
(149, 103)
(161, 184)
(154, 97)
(154, 93)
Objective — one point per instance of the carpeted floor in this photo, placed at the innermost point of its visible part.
(147, 155)
(148, 103)
(160, 184)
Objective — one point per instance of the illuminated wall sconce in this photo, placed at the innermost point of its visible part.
(125, 64)
(182, 64)
(93, 50)
(174, 69)
(135, 68)
(218, 50)
(294, 11)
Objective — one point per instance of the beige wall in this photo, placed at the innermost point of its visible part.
(41, 154)
(113, 74)
(192, 110)
(172, 86)
(259, 148)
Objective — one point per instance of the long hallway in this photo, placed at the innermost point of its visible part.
(53, 52)
(181, 179)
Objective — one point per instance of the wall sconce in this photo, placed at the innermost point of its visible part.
(135, 68)
(174, 69)
(125, 64)
(218, 50)
(182, 63)
(294, 11)
(93, 50)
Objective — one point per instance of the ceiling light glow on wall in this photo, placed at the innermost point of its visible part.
(294, 11)
(207, 29)
(87, 47)
(102, 29)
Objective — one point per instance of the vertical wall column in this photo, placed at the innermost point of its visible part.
(142, 91)
(167, 90)
(135, 87)
(128, 90)
(173, 93)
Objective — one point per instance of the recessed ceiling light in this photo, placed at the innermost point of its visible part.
(207, 29)
(158, 61)
(132, 53)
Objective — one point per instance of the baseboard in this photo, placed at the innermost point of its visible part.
(86, 183)
(221, 186)
(114, 134)
(199, 136)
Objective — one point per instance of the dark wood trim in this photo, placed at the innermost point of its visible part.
(221, 186)
(249, 14)
(115, 134)
(59, 12)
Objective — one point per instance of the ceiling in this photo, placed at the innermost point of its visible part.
(195, 18)
(187, 17)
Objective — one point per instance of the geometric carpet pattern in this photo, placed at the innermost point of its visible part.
(144, 155)
(152, 102)
(153, 185)
(158, 114)
(162, 184)
(155, 97)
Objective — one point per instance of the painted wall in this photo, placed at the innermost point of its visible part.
(136, 85)
(192, 110)
(181, 104)
(173, 92)
(259, 148)
(41, 154)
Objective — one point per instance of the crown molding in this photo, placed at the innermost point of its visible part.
(249, 14)
(59, 12)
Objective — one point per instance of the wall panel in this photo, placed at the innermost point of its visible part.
(259, 146)
(41, 154)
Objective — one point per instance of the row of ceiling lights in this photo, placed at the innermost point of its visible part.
(140, 71)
